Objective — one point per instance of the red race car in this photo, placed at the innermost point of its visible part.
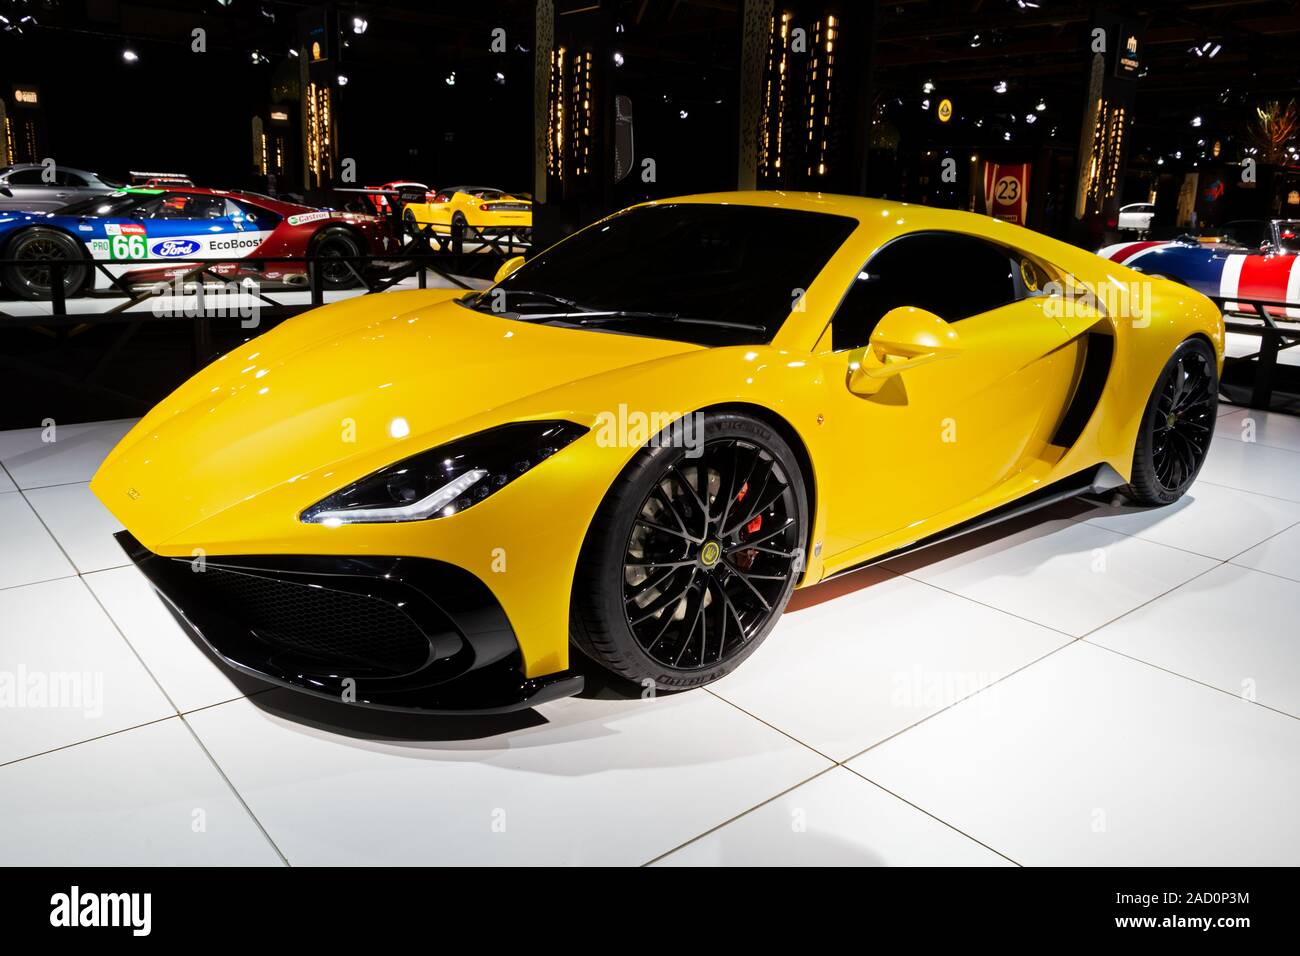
(176, 228)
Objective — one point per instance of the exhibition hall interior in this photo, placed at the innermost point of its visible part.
(649, 432)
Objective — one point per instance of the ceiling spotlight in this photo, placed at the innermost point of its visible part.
(1000, 86)
(451, 78)
(1178, 154)
(257, 57)
(927, 86)
(975, 40)
(1042, 105)
(1031, 118)
(1007, 135)
(1027, 4)
(343, 80)
(1196, 121)
(1160, 161)
(925, 104)
(129, 56)
(683, 114)
(499, 79)
(360, 25)
(618, 58)
(293, 51)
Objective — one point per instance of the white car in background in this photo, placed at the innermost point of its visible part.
(1136, 217)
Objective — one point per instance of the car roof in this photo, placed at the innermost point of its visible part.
(266, 202)
(71, 169)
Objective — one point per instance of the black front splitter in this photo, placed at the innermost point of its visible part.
(497, 687)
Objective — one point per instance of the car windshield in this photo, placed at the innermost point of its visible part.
(1248, 233)
(100, 206)
(1288, 233)
(711, 274)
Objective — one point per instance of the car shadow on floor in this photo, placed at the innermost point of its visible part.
(364, 723)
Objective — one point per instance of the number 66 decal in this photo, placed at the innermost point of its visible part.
(127, 247)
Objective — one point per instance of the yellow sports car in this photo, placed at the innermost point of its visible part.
(642, 440)
(484, 209)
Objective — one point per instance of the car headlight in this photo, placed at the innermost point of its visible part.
(445, 480)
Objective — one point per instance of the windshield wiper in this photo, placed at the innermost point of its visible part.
(599, 317)
(544, 297)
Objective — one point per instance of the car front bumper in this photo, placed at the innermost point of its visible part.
(394, 633)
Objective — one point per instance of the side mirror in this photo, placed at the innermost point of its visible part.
(509, 266)
(904, 338)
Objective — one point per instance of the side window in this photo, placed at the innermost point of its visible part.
(256, 217)
(205, 207)
(951, 275)
(26, 177)
(64, 178)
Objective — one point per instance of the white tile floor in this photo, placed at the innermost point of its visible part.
(1093, 685)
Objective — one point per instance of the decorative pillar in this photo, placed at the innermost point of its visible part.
(755, 31)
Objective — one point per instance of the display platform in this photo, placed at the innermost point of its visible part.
(1089, 685)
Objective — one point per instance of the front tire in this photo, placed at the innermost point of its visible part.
(691, 560)
(33, 278)
(1174, 437)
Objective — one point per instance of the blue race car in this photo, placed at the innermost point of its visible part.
(144, 236)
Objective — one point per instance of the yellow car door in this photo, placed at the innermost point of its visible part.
(946, 377)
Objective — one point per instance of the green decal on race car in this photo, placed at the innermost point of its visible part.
(127, 247)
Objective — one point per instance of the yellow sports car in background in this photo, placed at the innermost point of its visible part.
(484, 209)
(642, 440)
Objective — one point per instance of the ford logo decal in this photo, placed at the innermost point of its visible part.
(170, 248)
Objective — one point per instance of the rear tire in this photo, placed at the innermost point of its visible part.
(1177, 426)
(340, 243)
(690, 561)
(33, 279)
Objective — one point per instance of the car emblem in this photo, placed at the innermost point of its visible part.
(710, 553)
(133, 494)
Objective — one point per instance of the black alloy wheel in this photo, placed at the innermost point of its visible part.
(1177, 426)
(700, 556)
(32, 277)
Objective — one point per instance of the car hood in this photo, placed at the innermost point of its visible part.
(336, 393)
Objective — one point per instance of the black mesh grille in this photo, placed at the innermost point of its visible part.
(333, 627)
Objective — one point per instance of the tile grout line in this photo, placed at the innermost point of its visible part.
(76, 571)
(238, 796)
(88, 740)
(784, 733)
(1234, 557)
(950, 826)
(1252, 491)
(992, 607)
(1198, 554)
(32, 584)
(955, 703)
(743, 813)
(1194, 680)
(131, 647)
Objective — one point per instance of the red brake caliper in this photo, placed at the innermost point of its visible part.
(745, 559)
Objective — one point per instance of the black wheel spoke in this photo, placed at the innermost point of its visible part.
(666, 530)
(744, 579)
(745, 545)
